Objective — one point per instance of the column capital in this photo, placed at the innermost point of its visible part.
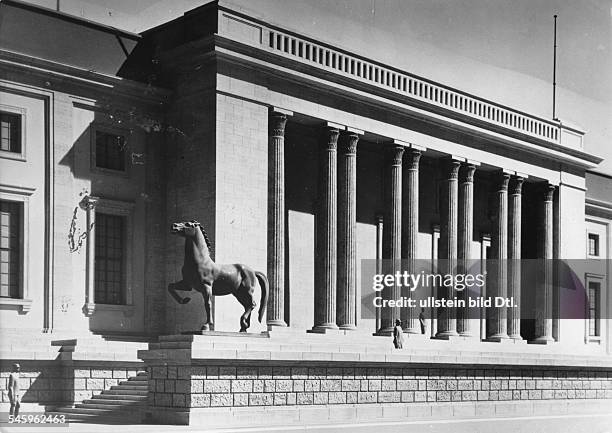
(517, 185)
(89, 203)
(331, 138)
(395, 153)
(549, 190)
(277, 124)
(452, 166)
(413, 156)
(504, 179)
(467, 172)
(348, 143)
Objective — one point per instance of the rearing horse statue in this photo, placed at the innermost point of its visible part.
(201, 273)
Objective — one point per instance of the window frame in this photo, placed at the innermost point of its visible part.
(20, 195)
(21, 112)
(597, 239)
(599, 279)
(125, 210)
(108, 129)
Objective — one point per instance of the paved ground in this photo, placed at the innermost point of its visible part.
(540, 424)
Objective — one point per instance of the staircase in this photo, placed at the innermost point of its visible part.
(118, 405)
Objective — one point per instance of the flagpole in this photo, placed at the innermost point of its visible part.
(554, 96)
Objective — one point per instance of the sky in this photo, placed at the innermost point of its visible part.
(497, 49)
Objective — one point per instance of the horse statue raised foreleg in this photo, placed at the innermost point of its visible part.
(201, 273)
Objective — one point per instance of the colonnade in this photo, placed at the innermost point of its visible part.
(336, 259)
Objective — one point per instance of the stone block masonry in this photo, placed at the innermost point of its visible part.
(52, 383)
(201, 386)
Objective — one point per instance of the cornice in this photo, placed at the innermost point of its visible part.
(226, 51)
(52, 74)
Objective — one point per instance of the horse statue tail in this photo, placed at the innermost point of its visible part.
(263, 283)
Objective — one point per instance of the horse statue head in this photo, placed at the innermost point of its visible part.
(192, 229)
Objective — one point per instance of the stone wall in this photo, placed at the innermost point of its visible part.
(50, 383)
(283, 385)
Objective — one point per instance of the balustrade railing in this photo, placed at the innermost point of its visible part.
(358, 68)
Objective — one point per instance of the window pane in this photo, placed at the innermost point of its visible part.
(10, 254)
(110, 256)
(110, 151)
(593, 244)
(10, 132)
(593, 308)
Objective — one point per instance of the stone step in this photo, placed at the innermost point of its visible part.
(130, 387)
(127, 392)
(128, 384)
(141, 377)
(91, 411)
(128, 397)
(94, 418)
(115, 401)
(109, 406)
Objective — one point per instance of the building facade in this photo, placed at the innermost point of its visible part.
(302, 160)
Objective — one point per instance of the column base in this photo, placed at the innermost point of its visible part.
(517, 338)
(498, 338)
(446, 335)
(273, 323)
(325, 328)
(383, 332)
(347, 327)
(542, 340)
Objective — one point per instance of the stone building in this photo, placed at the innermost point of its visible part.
(300, 159)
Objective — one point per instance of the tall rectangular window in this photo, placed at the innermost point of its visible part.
(110, 151)
(10, 248)
(594, 288)
(110, 258)
(593, 244)
(10, 132)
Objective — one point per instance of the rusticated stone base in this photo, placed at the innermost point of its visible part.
(186, 382)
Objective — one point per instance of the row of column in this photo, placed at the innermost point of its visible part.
(335, 291)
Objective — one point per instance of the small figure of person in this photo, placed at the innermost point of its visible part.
(14, 390)
(422, 321)
(398, 335)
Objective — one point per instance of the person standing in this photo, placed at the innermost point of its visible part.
(422, 321)
(398, 335)
(14, 390)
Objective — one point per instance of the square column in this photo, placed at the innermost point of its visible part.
(327, 235)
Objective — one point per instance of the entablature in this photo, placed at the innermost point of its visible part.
(269, 46)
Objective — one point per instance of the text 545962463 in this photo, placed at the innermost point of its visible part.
(38, 418)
